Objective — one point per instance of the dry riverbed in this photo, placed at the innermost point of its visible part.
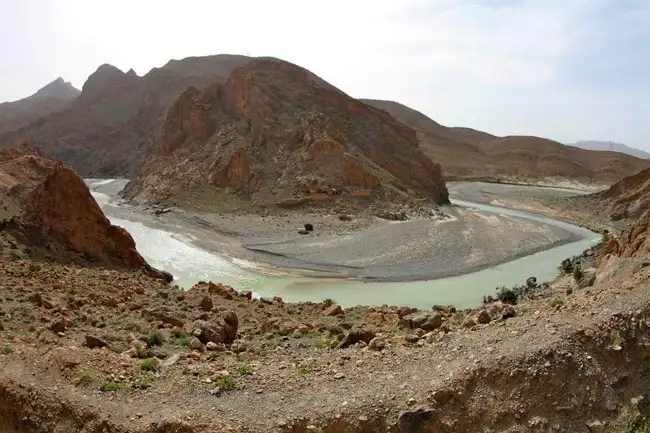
(361, 245)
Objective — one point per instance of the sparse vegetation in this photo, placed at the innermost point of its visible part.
(149, 364)
(7, 349)
(85, 379)
(508, 295)
(557, 302)
(303, 370)
(577, 272)
(225, 382)
(180, 338)
(244, 369)
(109, 385)
(156, 339)
(328, 302)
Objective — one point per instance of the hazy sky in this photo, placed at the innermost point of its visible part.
(563, 69)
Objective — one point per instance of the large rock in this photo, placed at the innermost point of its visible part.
(222, 330)
(51, 207)
(426, 321)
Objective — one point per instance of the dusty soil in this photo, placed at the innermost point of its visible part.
(563, 361)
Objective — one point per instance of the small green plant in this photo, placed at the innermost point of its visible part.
(225, 382)
(149, 364)
(180, 338)
(155, 339)
(328, 302)
(7, 349)
(244, 369)
(145, 380)
(557, 302)
(109, 385)
(303, 370)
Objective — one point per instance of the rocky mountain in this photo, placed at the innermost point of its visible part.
(466, 153)
(117, 117)
(276, 133)
(53, 97)
(610, 146)
(47, 208)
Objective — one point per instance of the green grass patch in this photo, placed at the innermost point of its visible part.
(244, 369)
(109, 385)
(179, 338)
(225, 382)
(557, 302)
(149, 364)
(155, 339)
(7, 349)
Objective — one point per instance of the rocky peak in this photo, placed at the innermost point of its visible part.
(58, 89)
(106, 79)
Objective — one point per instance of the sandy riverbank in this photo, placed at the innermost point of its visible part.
(365, 247)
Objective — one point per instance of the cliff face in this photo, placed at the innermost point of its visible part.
(47, 205)
(274, 132)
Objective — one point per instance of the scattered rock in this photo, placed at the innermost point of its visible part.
(206, 304)
(377, 343)
(303, 232)
(345, 217)
(411, 338)
(414, 421)
(309, 227)
(357, 335)
(508, 311)
(167, 364)
(195, 344)
(483, 317)
(339, 376)
(334, 310)
(93, 342)
(424, 321)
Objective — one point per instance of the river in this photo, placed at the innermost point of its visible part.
(189, 264)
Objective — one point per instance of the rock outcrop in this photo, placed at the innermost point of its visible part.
(276, 133)
(47, 205)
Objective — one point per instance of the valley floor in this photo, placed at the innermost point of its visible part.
(462, 241)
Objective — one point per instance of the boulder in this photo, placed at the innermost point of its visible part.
(222, 330)
(357, 335)
(334, 310)
(428, 321)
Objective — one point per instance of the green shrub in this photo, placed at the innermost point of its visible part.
(149, 364)
(244, 369)
(577, 272)
(155, 339)
(7, 349)
(557, 302)
(109, 385)
(180, 338)
(225, 382)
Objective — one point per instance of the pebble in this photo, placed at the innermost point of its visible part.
(339, 376)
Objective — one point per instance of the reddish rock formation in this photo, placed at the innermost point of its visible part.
(274, 132)
(50, 206)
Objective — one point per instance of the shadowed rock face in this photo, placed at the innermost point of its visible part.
(51, 207)
(275, 131)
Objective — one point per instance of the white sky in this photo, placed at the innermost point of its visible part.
(567, 70)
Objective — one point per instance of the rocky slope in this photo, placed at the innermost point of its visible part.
(54, 97)
(465, 153)
(49, 213)
(276, 133)
(109, 127)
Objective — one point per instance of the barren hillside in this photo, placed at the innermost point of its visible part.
(466, 153)
(277, 133)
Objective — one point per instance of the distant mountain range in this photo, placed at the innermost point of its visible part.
(611, 146)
